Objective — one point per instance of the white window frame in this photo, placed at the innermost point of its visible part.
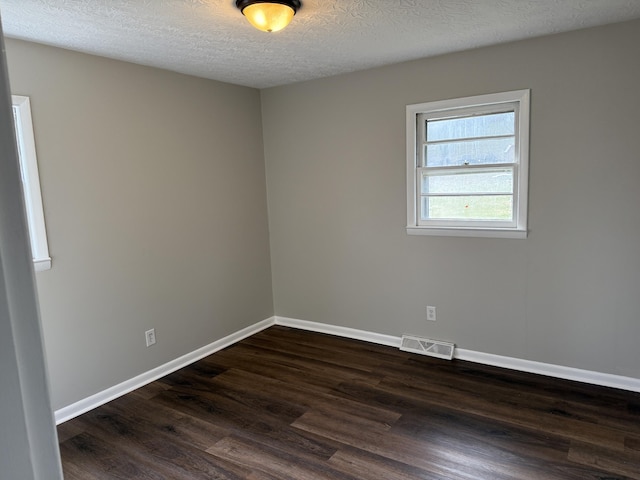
(518, 101)
(31, 182)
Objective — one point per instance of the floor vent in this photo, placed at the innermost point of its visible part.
(427, 346)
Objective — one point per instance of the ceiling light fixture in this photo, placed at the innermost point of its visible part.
(269, 16)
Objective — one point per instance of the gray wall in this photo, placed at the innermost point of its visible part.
(569, 294)
(154, 196)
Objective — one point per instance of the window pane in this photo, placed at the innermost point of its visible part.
(494, 207)
(499, 181)
(31, 182)
(471, 152)
(493, 124)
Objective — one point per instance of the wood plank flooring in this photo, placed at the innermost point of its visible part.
(292, 405)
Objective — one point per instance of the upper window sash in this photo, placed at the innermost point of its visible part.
(503, 136)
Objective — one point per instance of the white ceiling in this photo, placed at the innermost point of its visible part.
(211, 39)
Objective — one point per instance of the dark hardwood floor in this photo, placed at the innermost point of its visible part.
(288, 404)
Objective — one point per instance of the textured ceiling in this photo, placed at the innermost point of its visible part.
(211, 39)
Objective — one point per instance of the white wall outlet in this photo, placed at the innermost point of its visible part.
(150, 336)
(431, 313)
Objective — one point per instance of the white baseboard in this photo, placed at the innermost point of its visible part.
(557, 371)
(550, 370)
(111, 393)
(346, 332)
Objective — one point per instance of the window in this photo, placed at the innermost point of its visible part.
(467, 166)
(31, 182)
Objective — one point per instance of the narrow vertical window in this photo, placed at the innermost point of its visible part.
(31, 182)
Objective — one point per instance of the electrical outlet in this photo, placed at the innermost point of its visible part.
(150, 336)
(431, 313)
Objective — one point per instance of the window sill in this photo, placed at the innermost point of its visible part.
(41, 264)
(467, 232)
